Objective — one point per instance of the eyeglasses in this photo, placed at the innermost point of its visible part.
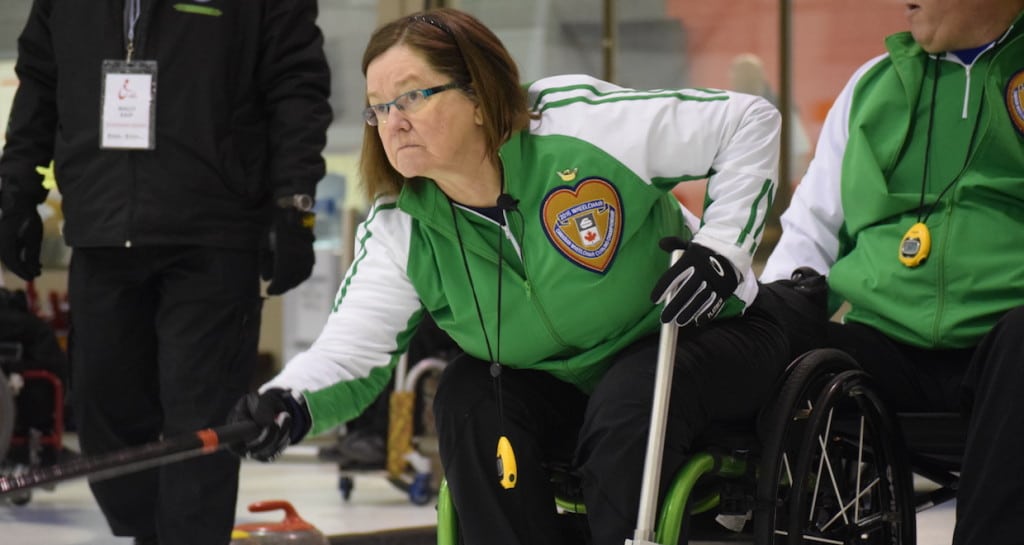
(406, 102)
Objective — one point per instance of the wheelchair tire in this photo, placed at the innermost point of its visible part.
(855, 481)
(6, 417)
(781, 429)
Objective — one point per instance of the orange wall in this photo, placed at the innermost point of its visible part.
(829, 40)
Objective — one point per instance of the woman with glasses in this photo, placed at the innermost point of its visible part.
(526, 222)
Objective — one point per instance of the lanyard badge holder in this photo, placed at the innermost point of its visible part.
(128, 95)
(128, 105)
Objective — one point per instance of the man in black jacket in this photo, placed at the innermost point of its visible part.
(187, 135)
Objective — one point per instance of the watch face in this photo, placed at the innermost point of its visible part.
(299, 201)
(303, 202)
(910, 247)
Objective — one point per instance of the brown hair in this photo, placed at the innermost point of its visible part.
(458, 45)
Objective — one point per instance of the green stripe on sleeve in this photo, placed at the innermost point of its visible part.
(617, 95)
(752, 218)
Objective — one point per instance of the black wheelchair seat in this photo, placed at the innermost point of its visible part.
(934, 434)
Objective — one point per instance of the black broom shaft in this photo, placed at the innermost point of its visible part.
(132, 459)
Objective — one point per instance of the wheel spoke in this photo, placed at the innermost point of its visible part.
(860, 466)
(812, 538)
(854, 501)
(879, 522)
(819, 539)
(785, 466)
(825, 462)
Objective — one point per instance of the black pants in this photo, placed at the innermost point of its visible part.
(723, 373)
(164, 342)
(986, 384)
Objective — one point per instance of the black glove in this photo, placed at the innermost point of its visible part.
(287, 257)
(696, 286)
(21, 235)
(283, 421)
(800, 306)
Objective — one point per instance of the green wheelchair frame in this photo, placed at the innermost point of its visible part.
(673, 508)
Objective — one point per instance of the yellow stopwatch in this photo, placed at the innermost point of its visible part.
(506, 463)
(916, 245)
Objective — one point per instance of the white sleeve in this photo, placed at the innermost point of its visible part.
(740, 192)
(372, 309)
(811, 224)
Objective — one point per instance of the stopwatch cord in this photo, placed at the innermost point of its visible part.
(495, 368)
(928, 143)
(928, 146)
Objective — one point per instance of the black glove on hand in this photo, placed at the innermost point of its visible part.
(283, 421)
(21, 235)
(287, 258)
(696, 286)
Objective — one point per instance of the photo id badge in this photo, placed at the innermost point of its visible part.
(128, 105)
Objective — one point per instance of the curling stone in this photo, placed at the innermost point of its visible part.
(293, 530)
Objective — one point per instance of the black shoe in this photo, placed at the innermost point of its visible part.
(146, 541)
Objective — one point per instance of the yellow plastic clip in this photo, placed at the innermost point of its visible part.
(506, 463)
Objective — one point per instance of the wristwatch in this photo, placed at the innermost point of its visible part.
(298, 201)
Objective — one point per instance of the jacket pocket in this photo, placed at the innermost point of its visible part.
(244, 157)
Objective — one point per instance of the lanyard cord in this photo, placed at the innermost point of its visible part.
(495, 365)
(132, 11)
(928, 147)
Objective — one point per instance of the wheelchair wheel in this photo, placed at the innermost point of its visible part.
(854, 480)
(782, 428)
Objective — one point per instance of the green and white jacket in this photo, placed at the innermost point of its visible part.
(863, 189)
(580, 254)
